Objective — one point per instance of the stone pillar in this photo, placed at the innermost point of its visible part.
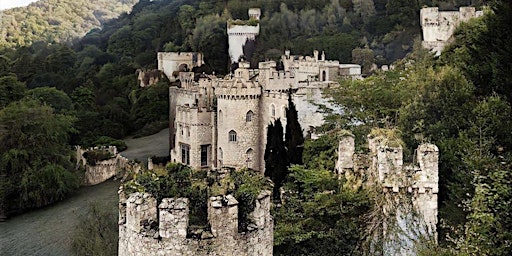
(223, 216)
(389, 166)
(140, 210)
(150, 164)
(173, 221)
(427, 156)
(122, 206)
(346, 148)
(261, 214)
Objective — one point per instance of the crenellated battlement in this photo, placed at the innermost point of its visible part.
(149, 229)
(102, 170)
(387, 164)
(439, 26)
(409, 192)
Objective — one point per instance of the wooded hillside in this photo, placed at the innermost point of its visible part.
(53, 21)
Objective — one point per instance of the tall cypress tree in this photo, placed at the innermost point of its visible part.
(294, 140)
(276, 159)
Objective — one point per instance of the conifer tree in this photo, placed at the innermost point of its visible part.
(294, 139)
(276, 160)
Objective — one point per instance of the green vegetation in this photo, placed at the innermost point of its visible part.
(97, 155)
(53, 21)
(35, 157)
(53, 95)
(461, 103)
(178, 180)
(97, 232)
(317, 217)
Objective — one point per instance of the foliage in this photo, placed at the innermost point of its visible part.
(247, 186)
(53, 97)
(108, 141)
(97, 232)
(294, 140)
(173, 181)
(276, 158)
(10, 90)
(316, 218)
(320, 154)
(97, 155)
(35, 157)
(178, 180)
(57, 21)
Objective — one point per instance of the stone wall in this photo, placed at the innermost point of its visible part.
(239, 35)
(438, 26)
(409, 192)
(171, 62)
(102, 170)
(145, 229)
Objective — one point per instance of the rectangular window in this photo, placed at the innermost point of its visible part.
(185, 154)
(204, 155)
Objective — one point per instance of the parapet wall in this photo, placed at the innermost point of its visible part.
(409, 191)
(102, 170)
(145, 229)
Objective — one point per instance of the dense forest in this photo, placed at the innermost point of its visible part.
(56, 95)
(57, 21)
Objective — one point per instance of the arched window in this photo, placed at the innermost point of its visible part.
(248, 116)
(324, 76)
(232, 136)
(220, 117)
(272, 110)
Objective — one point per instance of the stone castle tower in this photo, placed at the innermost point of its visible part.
(409, 193)
(146, 228)
(438, 26)
(240, 33)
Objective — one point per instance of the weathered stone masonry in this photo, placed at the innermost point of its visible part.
(145, 229)
(410, 207)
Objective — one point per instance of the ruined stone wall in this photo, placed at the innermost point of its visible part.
(102, 170)
(409, 193)
(438, 26)
(145, 229)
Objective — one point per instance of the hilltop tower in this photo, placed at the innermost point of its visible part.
(241, 34)
(438, 26)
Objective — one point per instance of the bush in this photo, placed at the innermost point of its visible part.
(98, 155)
(97, 233)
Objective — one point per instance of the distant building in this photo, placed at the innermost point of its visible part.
(439, 26)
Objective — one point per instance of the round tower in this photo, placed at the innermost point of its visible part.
(238, 119)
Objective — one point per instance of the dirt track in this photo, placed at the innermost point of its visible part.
(142, 148)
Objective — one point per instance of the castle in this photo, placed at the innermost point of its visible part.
(408, 194)
(438, 26)
(217, 122)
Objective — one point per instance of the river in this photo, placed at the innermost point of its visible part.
(48, 231)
